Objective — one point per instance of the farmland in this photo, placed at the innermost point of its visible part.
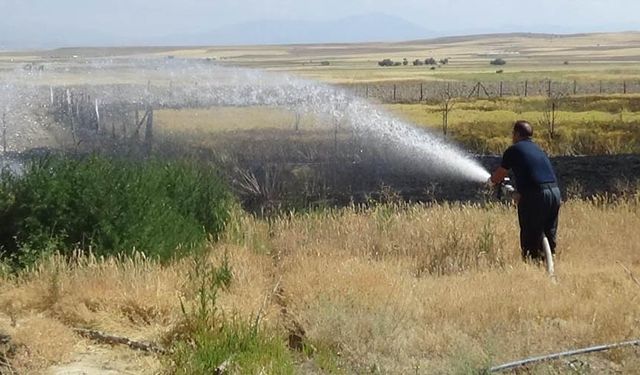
(261, 238)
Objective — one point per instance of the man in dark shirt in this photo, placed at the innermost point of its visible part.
(538, 193)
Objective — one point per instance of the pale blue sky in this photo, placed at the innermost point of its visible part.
(148, 18)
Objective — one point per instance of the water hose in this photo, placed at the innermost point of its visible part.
(549, 357)
(548, 256)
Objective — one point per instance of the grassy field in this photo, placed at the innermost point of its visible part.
(583, 125)
(390, 289)
(589, 57)
(606, 124)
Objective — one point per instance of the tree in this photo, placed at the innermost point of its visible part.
(497, 61)
(405, 62)
(549, 118)
(418, 62)
(444, 61)
(447, 102)
(386, 62)
(430, 61)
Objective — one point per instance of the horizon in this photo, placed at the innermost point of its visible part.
(39, 24)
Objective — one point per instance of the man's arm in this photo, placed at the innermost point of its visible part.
(503, 170)
(498, 175)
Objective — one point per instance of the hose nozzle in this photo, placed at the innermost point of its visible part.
(505, 189)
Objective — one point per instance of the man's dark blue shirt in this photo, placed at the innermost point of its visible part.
(529, 164)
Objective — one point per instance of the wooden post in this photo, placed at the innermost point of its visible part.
(366, 91)
(335, 137)
(70, 116)
(526, 88)
(600, 87)
(4, 132)
(297, 124)
(624, 87)
(549, 88)
(148, 133)
(421, 92)
(501, 89)
(97, 115)
(394, 92)
(575, 87)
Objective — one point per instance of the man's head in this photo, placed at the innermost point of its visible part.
(522, 130)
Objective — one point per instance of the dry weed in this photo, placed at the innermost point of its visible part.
(393, 288)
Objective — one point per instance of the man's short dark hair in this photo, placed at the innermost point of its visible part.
(523, 129)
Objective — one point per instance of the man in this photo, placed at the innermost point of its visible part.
(538, 193)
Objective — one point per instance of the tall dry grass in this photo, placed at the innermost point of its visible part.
(391, 289)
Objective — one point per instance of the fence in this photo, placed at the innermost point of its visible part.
(89, 120)
(416, 92)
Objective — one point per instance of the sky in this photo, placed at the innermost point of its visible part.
(139, 20)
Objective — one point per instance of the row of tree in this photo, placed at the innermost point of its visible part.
(416, 62)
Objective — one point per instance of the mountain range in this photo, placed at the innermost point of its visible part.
(363, 28)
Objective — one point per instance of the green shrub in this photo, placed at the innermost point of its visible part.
(110, 206)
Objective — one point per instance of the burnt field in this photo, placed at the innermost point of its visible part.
(285, 173)
(282, 169)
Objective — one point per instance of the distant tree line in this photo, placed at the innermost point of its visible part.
(417, 62)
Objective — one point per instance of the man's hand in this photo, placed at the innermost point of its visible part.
(516, 197)
(498, 175)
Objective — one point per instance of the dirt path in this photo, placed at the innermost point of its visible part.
(90, 359)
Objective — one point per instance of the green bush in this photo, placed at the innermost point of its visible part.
(109, 205)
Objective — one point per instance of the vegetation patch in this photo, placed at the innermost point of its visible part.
(209, 342)
(109, 206)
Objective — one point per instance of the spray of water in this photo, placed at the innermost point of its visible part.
(177, 84)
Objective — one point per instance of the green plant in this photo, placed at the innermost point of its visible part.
(109, 206)
(208, 340)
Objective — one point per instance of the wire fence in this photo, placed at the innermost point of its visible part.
(416, 92)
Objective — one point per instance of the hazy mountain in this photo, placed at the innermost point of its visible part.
(365, 28)
(371, 27)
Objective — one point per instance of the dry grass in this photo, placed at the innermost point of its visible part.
(591, 57)
(604, 124)
(432, 289)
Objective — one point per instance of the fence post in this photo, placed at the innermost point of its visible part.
(97, 115)
(624, 87)
(394, 92)
(4, 132)
(575, 87)
(600, 87)
(549, 88)
(526, 88)
(421, 92)
(148, 134)
(501, 89)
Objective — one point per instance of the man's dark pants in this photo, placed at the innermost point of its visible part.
(538, 214)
